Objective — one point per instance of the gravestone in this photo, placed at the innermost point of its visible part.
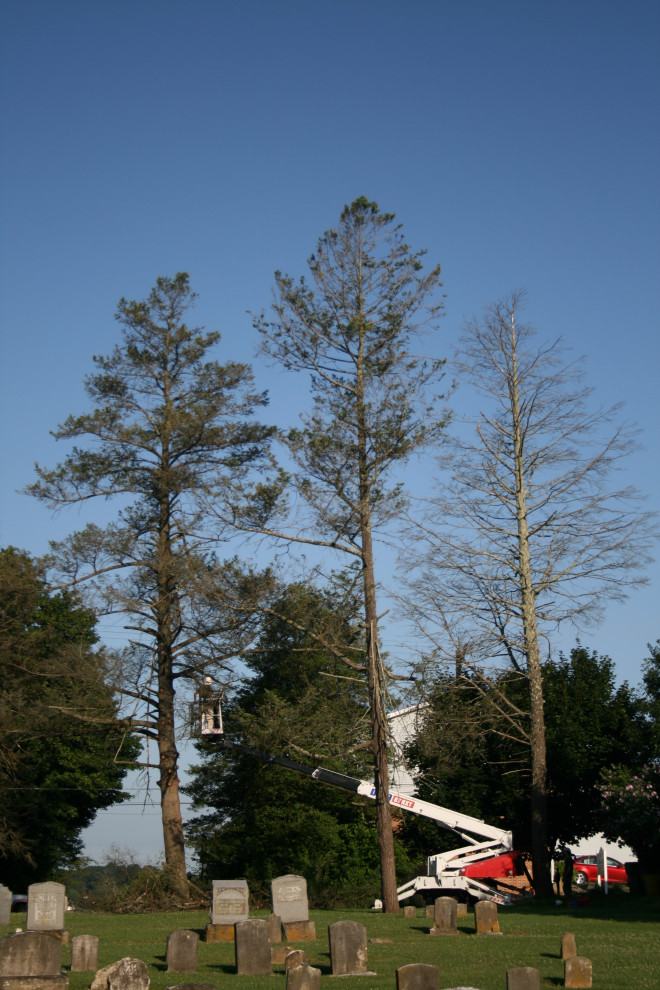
(5, 905)
(46, 902)
(444, 916)
(230, 902)
(303, 978)
(577, 972)
(84, 953)
(409, 911)
(126, 974)
(252, 948)
(568, 947)
(461, 909)
(274, 928)
(181, 952)
(348, 948)
(29, 959)
(485, 918)
(417, 976)
(296, 957)
(523, 978)
(289, 898)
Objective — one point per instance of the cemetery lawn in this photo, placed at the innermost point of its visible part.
(620, 934)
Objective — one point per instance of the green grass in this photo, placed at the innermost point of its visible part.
(620, 934)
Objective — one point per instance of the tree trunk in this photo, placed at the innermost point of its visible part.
(379, 732)
(173, 839)
(379, 735)
(538, 795)
(167, 620)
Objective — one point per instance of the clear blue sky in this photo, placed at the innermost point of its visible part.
(517, 141)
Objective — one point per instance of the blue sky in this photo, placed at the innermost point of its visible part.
(517, 141)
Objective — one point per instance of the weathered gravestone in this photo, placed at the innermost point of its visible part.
(46, 904)
(126, 974)
(523, 978)
(444, 916)
(295, 957)
(230, 902)
(348, 948)
(274, 928)
(5, 905)
(252, 948)
(303, 978)
(485, 918)
(84, 953)
(181, 952)
(31, 960)
(417, 976)
(409, 911)
(289, 901)
(577, 972)
(568, 947)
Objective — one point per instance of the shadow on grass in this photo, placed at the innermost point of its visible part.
(605, 907)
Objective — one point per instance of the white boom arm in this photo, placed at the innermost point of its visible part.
(443, 870)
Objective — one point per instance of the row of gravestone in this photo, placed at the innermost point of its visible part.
(46, 906)
(577, 969)
(445, 917)
(29, 957)
(38, 954)
(230, 904)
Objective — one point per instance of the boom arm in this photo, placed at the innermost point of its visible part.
(497, 839)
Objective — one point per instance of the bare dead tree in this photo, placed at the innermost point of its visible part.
(532, 530)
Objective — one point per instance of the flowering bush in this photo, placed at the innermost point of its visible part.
(631, 812)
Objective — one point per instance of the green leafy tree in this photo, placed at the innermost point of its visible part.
(531, 530)
(351, 328)
(474, 752)
(651, 679)
(59, 730)
(631, 812)
(171, 432)
(266, 820)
